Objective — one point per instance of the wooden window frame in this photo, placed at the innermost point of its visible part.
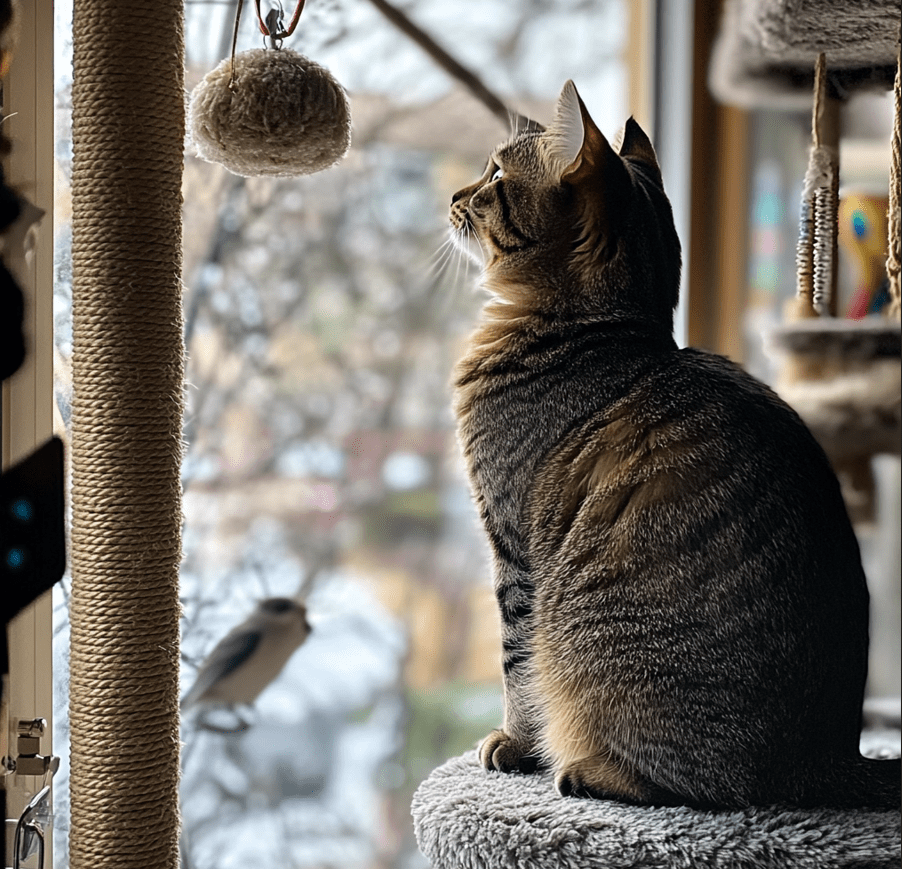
(26, 400)
(716, 276)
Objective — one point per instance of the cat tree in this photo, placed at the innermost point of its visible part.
(468, 818)
(841, 375)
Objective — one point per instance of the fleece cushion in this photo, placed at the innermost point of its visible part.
(467, 818)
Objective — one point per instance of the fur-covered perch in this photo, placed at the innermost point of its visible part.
(467, 818)
(853, 412)
(765, 51)
(869, 338)
(844, 380)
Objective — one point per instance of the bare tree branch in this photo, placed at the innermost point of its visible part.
(454, 68)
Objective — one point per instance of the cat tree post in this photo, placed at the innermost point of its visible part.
(127, 133)
(894, 211)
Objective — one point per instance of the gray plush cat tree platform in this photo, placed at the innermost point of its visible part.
(765, 50)
(467, 818)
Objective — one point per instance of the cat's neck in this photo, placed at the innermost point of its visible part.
(507, 325)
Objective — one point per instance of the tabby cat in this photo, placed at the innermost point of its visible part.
(684, 612)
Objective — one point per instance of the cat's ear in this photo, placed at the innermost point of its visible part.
(581, 157)
(574, 145)
(637, 146)
(564, 138)
(522, 124)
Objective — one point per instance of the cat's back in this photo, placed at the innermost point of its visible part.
(693, 410)
(731, 437)
(691, 543)
(713, 395)
(700, 474)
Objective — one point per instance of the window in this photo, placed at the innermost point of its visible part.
(323, 319)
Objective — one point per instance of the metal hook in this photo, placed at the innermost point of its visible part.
(238, 7)
(274, 27)
(275, 31)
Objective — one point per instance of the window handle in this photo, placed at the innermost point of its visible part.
(34, 822)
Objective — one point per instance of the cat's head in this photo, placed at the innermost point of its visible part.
(562, 222)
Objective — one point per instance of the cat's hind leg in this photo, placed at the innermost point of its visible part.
(601, 776)
(585, 765)
(598, 775)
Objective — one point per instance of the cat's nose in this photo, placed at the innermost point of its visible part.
(456, 196)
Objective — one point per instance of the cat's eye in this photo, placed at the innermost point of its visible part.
(498, 173)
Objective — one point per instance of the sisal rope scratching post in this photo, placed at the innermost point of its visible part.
(128, 132)
(894, 212)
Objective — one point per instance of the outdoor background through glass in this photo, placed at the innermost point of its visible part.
(323, 318)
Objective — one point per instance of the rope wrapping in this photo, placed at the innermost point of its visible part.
(894, 211)
(805, 258)
(128, 368)
(826, 208)
(817, 245)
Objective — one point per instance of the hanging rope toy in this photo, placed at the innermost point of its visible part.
(270, 111)
(816, 249)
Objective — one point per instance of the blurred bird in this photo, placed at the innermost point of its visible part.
(251, 655)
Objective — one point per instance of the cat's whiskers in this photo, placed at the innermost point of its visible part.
(442, 256)
(457, 249)
(466, 245)
(470, 245)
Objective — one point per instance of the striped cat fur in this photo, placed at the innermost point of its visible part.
(684, 613)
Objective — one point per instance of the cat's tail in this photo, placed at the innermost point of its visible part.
(864, 783)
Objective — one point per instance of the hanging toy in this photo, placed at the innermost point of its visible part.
(270, 111)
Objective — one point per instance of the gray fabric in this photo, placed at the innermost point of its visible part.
(765, 51)
(467, 818)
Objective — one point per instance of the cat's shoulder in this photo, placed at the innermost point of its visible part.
(718, 375)
(690, 382)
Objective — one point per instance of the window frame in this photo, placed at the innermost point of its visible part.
(26, 400)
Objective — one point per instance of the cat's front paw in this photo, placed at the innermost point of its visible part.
(499, 751)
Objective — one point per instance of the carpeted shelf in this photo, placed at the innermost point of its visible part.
(467, 818)
(765, 50)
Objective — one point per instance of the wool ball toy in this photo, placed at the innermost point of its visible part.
(275, 112)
